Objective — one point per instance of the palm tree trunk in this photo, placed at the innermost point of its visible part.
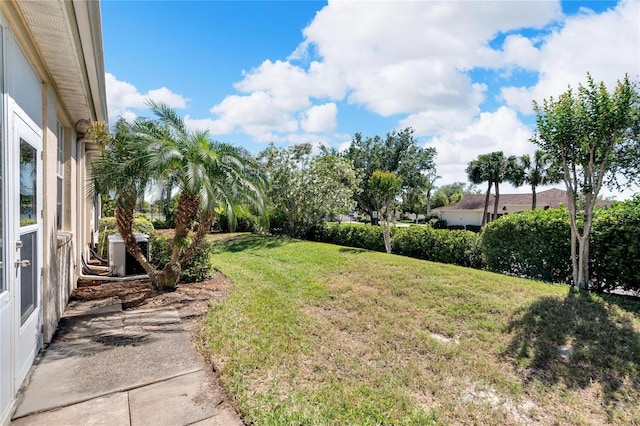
(124, 223)
(496, 201)
(533, 197)
(168, 278)
(486, 204)
(206, 219)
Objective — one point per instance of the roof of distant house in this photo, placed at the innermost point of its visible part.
(551, 198)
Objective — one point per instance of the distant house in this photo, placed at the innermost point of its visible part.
(52, 82)
(468, 211)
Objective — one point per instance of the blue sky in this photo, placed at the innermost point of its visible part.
(462, 74)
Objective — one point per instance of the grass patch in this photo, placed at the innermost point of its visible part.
(318, 334)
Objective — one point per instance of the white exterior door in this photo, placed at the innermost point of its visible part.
(26, 148)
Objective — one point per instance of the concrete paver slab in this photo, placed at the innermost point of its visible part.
(119, 355)
(112, 410)
(180, 401)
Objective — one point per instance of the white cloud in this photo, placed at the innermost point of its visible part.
(123, 98)
(521, 52)
(498, 131)
(407, 58)
(320, 118)
(607, 45)
(258, 115)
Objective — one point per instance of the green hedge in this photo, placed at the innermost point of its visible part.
(422, 242)
(197, 269)
(361, 236)
(457, 247)
(615, 246)
(107, 226)
(533, 244)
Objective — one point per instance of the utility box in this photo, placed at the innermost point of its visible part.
(121, 262)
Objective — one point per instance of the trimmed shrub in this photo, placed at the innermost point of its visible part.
(534, 244)
(457, 247)
(197, 269)
(107, 226)
(361, 236)
(615, 246)
(422, 242)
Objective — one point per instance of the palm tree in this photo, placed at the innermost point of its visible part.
(541, 171)
(494, 168)
(207, 174)
(503, 169)
(478, 172)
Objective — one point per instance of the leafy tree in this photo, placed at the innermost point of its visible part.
(541, 170)
(593, 134)
(384, 187)
(494, 168)
(399, 153)
(417, 199)
(304, 189)
(452, 193)
(207, 174)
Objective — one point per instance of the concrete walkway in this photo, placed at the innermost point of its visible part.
(112, 367)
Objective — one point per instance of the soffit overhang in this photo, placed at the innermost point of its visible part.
(67, 36)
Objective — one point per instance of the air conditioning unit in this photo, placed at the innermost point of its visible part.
(121, 262)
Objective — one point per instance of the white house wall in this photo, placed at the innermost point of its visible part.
(462, 217)
(27, 85)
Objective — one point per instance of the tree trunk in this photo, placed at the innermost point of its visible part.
(206, 219)
(496, 201)
(168, 278)
(533, 197)
(124, 223)
(486, 204)
(386, 233)
(583, 263)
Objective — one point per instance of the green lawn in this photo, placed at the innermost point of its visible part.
(322, 334)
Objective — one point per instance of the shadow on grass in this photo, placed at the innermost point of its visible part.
(352, 250)
(577, 341)
(253, 242)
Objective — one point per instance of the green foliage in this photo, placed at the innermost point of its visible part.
(108, 205)
(107, 226)
(198, 268)
(304, 189)
(439, 245)
(245, 221)
(594, 135)
(398, 152)
(532, 244)
(615, 246)
(452, 193)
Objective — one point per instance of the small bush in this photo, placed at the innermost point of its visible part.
(246, 222)
(162, 224)
(107, 226)
(197, 269)
(534, 244)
